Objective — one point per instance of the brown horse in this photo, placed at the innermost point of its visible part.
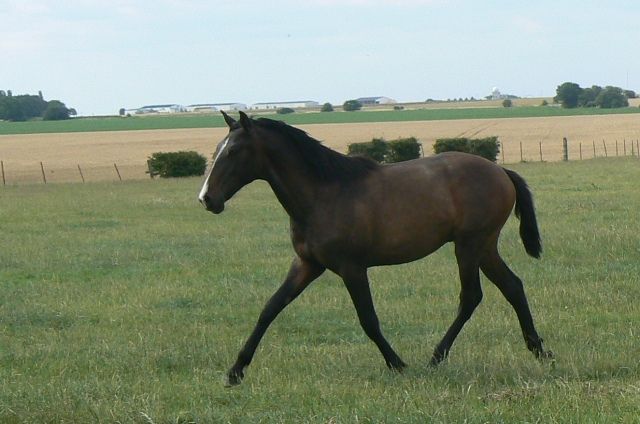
(349, 213)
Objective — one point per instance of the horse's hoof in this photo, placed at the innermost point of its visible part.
(234, 378)
(398, 366)
(437, 359)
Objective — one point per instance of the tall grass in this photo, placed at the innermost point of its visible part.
(127, 302)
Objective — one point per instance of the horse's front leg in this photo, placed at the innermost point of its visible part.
(301, 274)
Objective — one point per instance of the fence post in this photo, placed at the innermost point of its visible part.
(521, 157)
(605, 148)
(565, 149)
(633, 153)
(624, 146)
(581, 150)
(540, 144)
(117, 172)
(616, 147)
(4, 182)
(81, 176)
(44, 178)
(594, 148)
(149, 168)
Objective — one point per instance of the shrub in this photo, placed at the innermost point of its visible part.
(327, 107)
(383, 151)
(284, 110)
(177, 164)
(375, 149)
(507, 103)
(351, 105)
(487, 147)
(398, 107)
(451, 145)
(403, 149)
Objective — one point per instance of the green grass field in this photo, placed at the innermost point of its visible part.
(127, 302)
(209, 121)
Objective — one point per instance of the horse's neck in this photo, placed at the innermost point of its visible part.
(294, 188)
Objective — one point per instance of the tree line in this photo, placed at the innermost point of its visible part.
(571, 95)
(28, 106)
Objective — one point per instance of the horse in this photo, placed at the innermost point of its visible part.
(349, 213)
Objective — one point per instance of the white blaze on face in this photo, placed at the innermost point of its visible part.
(205, 186)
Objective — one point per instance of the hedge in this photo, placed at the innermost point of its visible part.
(177, 164)
(487, 147)
(383, 151)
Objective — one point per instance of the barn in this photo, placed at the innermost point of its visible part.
(214, 107)
(380, 100)
(293, 105)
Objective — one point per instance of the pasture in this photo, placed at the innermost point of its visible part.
(127, 302)
(96, 152)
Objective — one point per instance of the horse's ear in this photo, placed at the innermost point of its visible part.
(229, 120)
(245, 121)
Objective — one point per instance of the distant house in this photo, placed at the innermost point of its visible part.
(168, 108)
(278, 105)
(214, 107)
(380, 100)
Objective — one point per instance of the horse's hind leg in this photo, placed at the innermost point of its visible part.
(470, 296)
(357, 284)
(511, 287)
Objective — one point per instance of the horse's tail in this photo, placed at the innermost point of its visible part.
(526, 212)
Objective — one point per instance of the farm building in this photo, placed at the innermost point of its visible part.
(168, 108)
(293, 104)
(213, 107)
(380, 100)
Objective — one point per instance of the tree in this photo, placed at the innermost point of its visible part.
(630, 94)
(351, 105)
(567, 94)
(10, 109)
(507, 103)
(612, 97)
(587, 97)
(327, 107)
(56, 111)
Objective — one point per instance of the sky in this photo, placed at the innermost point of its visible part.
(100, 56)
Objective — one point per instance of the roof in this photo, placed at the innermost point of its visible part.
(159, 106)
(370, 99)
(281, 103)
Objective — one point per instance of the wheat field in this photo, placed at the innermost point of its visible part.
(97, 152)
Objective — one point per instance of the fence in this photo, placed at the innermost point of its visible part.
(568, 150)
(14, 173)
(510, 152)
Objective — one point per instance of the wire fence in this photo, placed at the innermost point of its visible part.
(18, 173)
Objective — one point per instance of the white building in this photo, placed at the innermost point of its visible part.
(380, 100)
(293, 105)
(168, 108)
(214, 107)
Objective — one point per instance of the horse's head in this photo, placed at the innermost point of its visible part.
(235, 164)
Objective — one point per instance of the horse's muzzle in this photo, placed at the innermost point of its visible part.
(213, 205)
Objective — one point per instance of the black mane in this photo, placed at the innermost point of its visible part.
(324, 163)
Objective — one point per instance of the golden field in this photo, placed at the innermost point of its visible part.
(97, 152)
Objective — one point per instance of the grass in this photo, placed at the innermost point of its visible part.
(126, 302)
(364, 116)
